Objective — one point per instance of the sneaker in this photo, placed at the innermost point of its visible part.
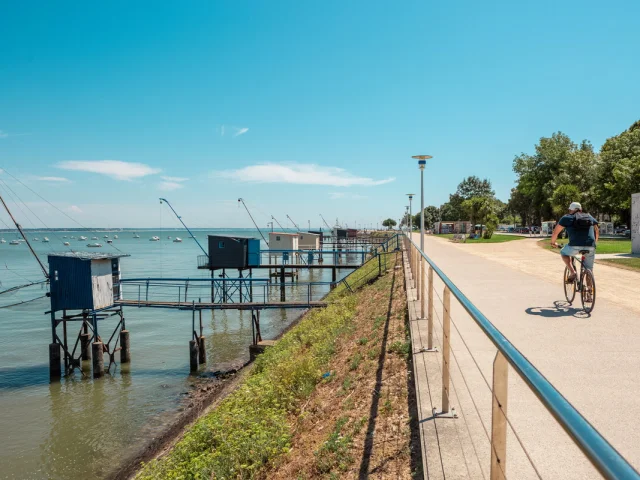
(571, 278)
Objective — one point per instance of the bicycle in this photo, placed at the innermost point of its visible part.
(585, 283)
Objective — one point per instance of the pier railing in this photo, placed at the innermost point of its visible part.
(603, 456)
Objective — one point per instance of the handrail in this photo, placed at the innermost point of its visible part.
(604, 457)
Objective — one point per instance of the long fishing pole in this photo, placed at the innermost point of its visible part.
(183, 224)
(325, 222)
(254, 222)
(44, 270)
(294, 223)
(276, 220)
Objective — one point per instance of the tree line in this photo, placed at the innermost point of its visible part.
(547, 181)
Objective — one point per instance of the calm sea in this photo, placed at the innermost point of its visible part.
(80, 428)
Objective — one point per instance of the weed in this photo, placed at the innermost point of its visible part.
(372, 353)
(377, 323)
(355, 362)
(386, 407)
(400, 348)
(363, 341)
(334, 452)
(357, 427)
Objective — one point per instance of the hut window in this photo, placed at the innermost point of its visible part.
(277, 238)
(220, 244)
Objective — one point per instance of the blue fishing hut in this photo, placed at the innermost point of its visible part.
(233, 252)
(85, 287)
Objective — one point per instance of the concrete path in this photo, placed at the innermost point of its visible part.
(593, 361)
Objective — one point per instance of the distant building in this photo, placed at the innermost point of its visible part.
(309, 241)
(283, 241)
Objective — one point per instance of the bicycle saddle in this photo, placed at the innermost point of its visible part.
(584, 252)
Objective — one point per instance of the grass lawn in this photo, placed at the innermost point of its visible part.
(626, 263)
(605, 245)
(496, 238)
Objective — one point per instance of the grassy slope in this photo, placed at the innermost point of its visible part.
(250, 428)
(495, 238)
(605, 245)
(626, 263)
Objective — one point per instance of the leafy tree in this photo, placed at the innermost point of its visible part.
(479, 208)
(491, 224)
(431, 216)
(562, 198)
(474, 187)
(521, 205)
(389, 223)
(618, 173)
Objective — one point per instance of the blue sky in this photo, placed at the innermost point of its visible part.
(300, 108)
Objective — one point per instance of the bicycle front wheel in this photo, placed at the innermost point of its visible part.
(588, 290)
(569, 287)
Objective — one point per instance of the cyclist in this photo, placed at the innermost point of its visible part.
(583, 235)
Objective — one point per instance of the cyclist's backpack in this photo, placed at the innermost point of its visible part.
(582, 221)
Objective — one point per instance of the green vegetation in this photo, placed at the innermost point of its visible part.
(389, 223)
(496, 238)
(626, 263)
(365, 274)
(250, 428)
(335, 452)
(605, 245)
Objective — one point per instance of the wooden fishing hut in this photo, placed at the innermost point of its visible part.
(309, 241)
(89, 284)
(290, 242)
(230, 252)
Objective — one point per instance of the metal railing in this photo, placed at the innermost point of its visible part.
(604, 457)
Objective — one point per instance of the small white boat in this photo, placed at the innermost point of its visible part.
(14, 242)
(115, 236)
(177, 240)
(45, 240)
(2, 240)
(168, 238)
(64, 236)
(66, 244)
(109, 241)
(36, 239)
(106, 236)
(94, 245)
(73, 237)
(135, 235)
(154, 239)
(82, 238)
(94, 238)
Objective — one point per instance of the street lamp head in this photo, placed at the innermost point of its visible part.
(422, 160)
(410, 195)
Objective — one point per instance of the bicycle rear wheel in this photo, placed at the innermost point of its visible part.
(588, 290)
(569, 288)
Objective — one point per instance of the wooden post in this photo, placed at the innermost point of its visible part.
(193, 356)
(446, 326)
(55, 371)
(499, 419)
(422, 282)
(418, 276)
(202, 352)
(97, 352)
(125, 352)
(430, 315)
(282, 294)
(85, 346)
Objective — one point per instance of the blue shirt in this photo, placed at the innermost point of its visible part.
(579, 237)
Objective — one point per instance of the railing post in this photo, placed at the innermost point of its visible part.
(446, 329)
(422, 282)
(430, 315)
(418, 276)
(499, 418)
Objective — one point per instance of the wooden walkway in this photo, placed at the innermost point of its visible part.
(219, 306)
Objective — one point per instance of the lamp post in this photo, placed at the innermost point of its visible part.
(422, 161)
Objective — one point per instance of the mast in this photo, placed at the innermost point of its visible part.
(254, 222)
(44, 270)
(294, 223)
(183, 224)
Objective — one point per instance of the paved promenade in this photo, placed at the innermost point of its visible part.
(593, 361)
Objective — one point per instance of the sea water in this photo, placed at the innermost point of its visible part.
(78, 427)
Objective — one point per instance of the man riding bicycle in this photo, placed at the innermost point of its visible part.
(583, 236)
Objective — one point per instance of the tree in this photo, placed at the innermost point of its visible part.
(474, 187)
(491, 224)
(618, 174)
(431, 216)
(562, 198)
(479, 208)
(389, 223)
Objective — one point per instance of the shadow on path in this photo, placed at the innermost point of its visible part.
(560, 309)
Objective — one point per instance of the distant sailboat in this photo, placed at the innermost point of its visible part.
(154, 239)
(45, 240)
(14, 242)
(177, 240)
(94, 245)
(115, 236)
(82, 238)
(66, 244)
(135, 235)
(2, 240)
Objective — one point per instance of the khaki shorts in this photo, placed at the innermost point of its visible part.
(573, 251)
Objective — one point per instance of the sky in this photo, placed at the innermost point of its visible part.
(299, 108)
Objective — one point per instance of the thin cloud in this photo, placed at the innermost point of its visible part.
(174, 179)
(111, 168)
(234, 131)
(52, 179)
(169, 186)
(338, 195)
(300, 174)
(75, 209)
